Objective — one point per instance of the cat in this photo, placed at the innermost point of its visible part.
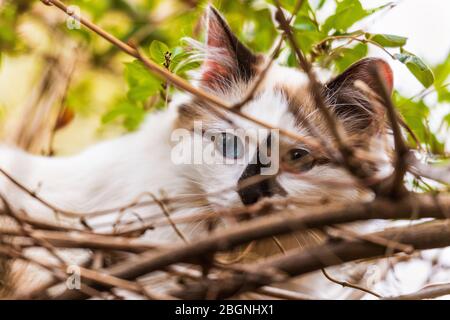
(141, 164)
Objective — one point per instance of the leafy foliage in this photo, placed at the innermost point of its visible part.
(348, 12)
(387, 40)
(417, 67)
(333, 42)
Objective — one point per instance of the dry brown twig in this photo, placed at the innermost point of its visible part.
(346, 153)
(397, 188)
(349, 285)
(428, 235)
(428, 292)
(176, 80)
(276, 225)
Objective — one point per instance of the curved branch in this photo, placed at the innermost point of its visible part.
(423, 206)
(295, 263)
(429, 292)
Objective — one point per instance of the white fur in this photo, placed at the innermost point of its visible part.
(271, 107)
(114, 173)
(110, 173)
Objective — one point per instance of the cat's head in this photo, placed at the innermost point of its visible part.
(234, 145)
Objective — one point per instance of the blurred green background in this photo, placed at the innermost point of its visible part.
(63, 88)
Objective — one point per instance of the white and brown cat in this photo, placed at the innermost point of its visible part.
(114, 173)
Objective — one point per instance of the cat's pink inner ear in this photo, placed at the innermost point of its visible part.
(227, 58)
(216, 35)
(217, 44)
(386, 73)
(213, 71)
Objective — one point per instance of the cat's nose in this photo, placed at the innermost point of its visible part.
(251, 191)
(252, 186)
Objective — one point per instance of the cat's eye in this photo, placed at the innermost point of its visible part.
(297, 154)
(299, 159)
(229, 145)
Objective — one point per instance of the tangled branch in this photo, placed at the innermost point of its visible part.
(136, 258)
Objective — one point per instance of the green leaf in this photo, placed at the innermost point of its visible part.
(321, 3)
(158, 51)
(142, 84)
(288, 4)
(446, 120)
(304, 23)
(306, 30)
(389, 4)
(443, 94)
(441, 84)
(307, 39)
(347, 13)
(185, 66)
(181, 62)
(136, 72)
(348, 56)
(141, 92)
(416, 115)
(387, 40)
(417, 67)
(291, 60)
(442, 71)
(131, 114)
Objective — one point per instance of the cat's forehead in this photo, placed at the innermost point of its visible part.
(273, 101)
(281, 100)
(279, 75)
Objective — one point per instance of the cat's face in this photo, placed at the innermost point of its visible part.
(246, 162)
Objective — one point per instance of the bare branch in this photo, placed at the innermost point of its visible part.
(422, 205)
(176, 80)
(295, 263)
(429, 292)
(401, 165)
(349, 285)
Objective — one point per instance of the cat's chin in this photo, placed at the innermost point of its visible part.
(231, 206)
(225, 201)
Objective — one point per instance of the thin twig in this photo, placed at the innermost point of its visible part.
(316, 90)
(390, 244)
(175, 79)
(262, 75)
(428, 292)
(281, 224)
(350, 285)
(295, 262)
(401, 149)
(167, 215)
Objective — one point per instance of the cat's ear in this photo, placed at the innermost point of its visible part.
(227, 59)
(350, 103)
